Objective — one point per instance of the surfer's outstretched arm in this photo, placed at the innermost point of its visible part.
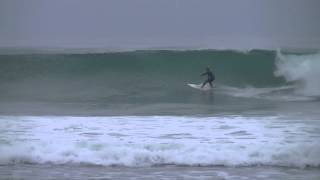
(203, 74)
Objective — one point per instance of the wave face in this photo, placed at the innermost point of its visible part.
(141, 78)
(160, 140)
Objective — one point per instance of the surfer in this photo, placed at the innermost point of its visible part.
(210, 77)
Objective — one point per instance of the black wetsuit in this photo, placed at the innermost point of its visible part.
(210, 78)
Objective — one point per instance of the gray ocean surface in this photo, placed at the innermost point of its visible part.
(131, 115)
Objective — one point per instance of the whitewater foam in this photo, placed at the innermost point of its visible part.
(149, 140)
(303, 70)
(300, 72)
(282, 93)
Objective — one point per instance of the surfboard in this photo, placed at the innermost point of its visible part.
(207, 87)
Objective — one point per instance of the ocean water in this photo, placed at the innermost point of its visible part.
(131, 115)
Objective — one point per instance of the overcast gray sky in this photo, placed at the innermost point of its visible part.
(160, 23)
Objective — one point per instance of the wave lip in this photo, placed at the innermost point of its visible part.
(65, 50)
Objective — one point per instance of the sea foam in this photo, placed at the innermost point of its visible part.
(301, 69)
(161, 140)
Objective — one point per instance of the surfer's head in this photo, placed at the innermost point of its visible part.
(207, 68)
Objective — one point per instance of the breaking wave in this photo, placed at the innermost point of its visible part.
(302, 155)
(151, 77)
(302, 70)
(160, 140)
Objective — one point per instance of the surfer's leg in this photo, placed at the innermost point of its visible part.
(210, 82)
(204, 83)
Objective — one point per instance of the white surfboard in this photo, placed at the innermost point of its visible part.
(207, 87)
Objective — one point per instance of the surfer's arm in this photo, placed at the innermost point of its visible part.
(203, 74)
